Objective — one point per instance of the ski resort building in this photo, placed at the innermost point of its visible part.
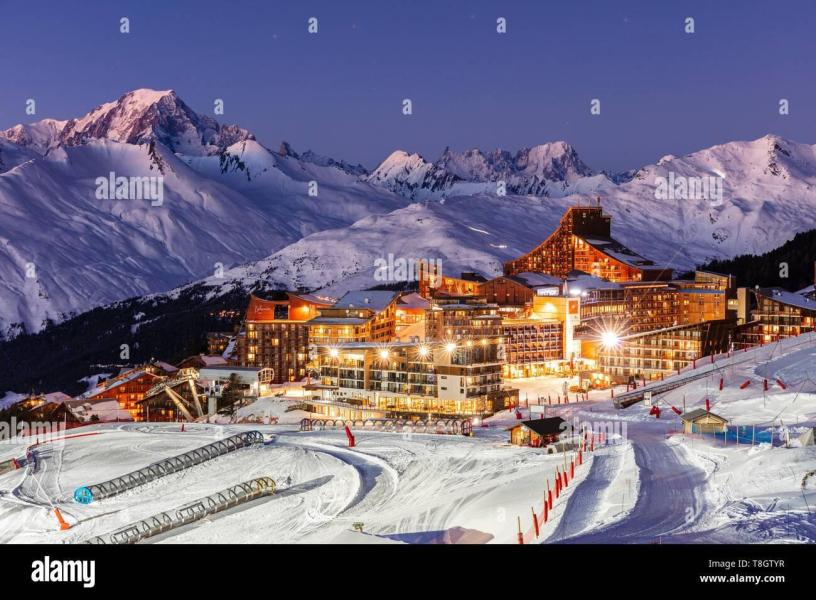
(459, 318)
(275, 334)
(661, 352)
(433, 283)
(542, 341)
(411, 317)
(583, 242)
(217, 341)
(413, 378)
(128, 389)
(700, 420)
(520, 289)
(779, 314)
(369, 315)
(650, 305)
(540, 433)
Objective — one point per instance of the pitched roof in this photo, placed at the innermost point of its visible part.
(375, 300)
(618, 251)
(788, 298)
(413, 301)
(548, 426)
(693, 415)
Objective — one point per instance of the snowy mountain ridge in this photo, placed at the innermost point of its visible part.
(227, 200)
(238, 214)
(769, 195)
(529, 171)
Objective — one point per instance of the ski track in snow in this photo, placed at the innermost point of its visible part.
(669, 500)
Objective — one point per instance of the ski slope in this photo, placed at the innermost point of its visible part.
(649, 484)
(401, 487)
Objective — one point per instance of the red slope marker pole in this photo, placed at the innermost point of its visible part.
(535, 522)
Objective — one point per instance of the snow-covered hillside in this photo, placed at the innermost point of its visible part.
(226, 200)
(305, 220)
(768, 196)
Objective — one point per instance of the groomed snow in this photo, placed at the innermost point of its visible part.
(650, 484)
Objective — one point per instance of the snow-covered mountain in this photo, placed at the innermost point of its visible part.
(37, 137)
(226, 200)
(238, 214)
(544, 170)
(144, 115)
(768, 195)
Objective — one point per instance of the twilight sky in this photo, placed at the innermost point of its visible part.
(340, 91)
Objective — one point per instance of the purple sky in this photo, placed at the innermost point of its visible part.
(339, 91)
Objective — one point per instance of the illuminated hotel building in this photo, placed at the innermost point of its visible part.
(462, 318)
(778, 314)
(652, 354)
(412, 379)
(646, 306)
(275, 333)
(543, 340)
(361, 316)
(583, 242)
(410, 314)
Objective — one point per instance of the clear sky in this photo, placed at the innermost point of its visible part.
(340, 91)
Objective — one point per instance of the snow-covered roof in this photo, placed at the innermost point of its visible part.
(697, 413)
(337, 321)
(105, 409)
(117, 381)
(317, 298)
(375, 300)
(618, 251)
(788, 298)
(535, 280)
(413, 301)
(212, 360)
(57, 397)
(584, 281)
(165, 366)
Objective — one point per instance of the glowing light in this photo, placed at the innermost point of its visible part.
(450, 347)
(484, 342)
(575, 292)
(610, 339)
(334, 353)
(383, 354)
(423, 351)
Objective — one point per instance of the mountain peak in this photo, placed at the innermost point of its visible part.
(38, 136)
(528, 171)
(144, 115)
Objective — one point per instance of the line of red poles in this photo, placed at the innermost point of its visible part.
(561, 481)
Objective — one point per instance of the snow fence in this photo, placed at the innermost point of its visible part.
(228, 498)
(174, 464)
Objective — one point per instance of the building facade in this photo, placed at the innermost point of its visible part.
(128, 389)
(415, 378)
(653, 354)
(583, 242)
(276, 336)
(778, 314)
(369, 315)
